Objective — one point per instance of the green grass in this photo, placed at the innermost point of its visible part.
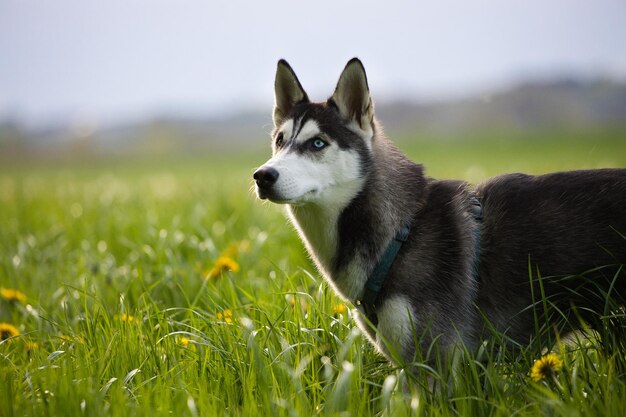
(120, 319)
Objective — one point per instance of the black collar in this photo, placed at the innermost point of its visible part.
(379, 274)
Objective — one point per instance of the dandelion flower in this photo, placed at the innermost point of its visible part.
(8, 331)
(30, 346)
(74, 339)
(127, 318)
(186, 342)
(223, 263)
(339, 309)
(546, 367)
(226, 315)
(296, 302)
(12, 295)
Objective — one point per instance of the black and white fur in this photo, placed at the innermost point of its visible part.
(348, 190)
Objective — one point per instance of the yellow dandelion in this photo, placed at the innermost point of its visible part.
(291, 299)
(296, 302)
(12, 295)
(223, 263)
(546, 367)
(75, 339)
(7, 331)
(127, 318)
(30, 346)
(226, 315)
(186, 342)
(339, 309)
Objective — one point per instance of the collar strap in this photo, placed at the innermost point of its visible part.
(379, 274)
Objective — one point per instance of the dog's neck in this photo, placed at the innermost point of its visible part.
(317, 226)
(345, 238)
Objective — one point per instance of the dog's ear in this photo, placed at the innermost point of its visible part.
(287, 92)
(352, 95)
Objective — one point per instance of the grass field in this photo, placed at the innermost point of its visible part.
(158, 288)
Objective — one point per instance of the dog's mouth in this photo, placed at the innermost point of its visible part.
(271, 195)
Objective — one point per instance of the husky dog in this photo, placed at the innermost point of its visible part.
(429, 259)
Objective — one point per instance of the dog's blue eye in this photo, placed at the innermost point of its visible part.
(317, 144)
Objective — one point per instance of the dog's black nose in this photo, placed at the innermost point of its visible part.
(265, 177)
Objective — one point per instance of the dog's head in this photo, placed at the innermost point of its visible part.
(319, 149)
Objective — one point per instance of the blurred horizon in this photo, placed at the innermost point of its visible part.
(74, 63)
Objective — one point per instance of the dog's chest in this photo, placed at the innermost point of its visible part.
(318, 230)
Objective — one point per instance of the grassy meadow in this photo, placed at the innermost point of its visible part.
(164, 288)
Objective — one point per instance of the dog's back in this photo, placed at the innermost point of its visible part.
(556, 224)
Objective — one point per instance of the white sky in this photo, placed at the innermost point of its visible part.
(115, 60)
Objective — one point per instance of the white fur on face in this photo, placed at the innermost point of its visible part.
(309, 130)
(291, 128)
(330, 178)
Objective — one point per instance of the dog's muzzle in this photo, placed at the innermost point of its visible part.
(265, 179)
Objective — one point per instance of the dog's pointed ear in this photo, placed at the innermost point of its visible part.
(352, 95)
(287, 92)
